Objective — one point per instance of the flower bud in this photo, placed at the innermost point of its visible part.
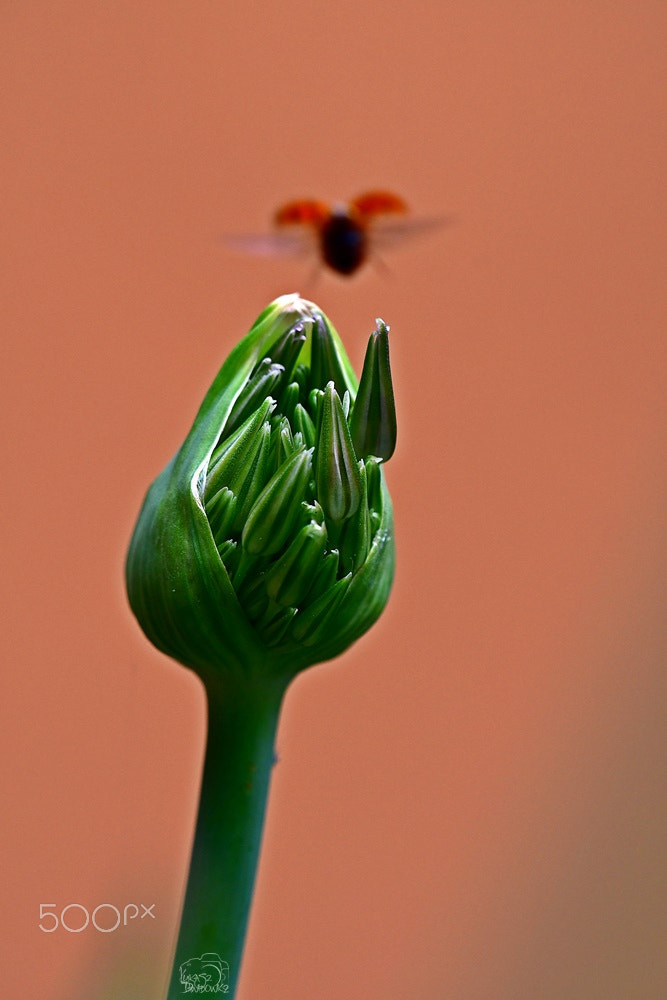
(276, 513)
(290, 578)
(373, 421)
(267, 542)
(336, 473)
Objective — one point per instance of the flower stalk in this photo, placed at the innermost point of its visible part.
(264, 547)
(242, 723)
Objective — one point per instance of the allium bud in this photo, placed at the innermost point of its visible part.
(267, 542)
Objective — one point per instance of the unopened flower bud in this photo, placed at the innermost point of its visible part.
(276, 512)
(373, 421)
(336, 472)
(267, 542)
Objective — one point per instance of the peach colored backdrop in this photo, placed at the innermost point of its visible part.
(469, 805)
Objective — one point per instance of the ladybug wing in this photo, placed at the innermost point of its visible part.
(294, 243)
(305, 212)
(373, 203)
(390, 232)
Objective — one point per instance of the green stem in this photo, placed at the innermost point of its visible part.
(239, 757)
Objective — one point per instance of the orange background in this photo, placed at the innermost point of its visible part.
(470, 804)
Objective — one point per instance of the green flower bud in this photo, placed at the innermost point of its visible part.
(373, 421)
(355, 539)
(264, 381)
(276, 513)
(304, 425)
(290, 578)
(326, 363)
(336, 471)
(229, 465)
(267, 543)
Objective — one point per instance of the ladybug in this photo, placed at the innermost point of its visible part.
(343, 235)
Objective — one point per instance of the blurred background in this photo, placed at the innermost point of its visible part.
(470, 804)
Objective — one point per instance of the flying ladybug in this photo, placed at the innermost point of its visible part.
(343, 236)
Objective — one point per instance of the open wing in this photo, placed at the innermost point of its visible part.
(292, 243)
(386, 233)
